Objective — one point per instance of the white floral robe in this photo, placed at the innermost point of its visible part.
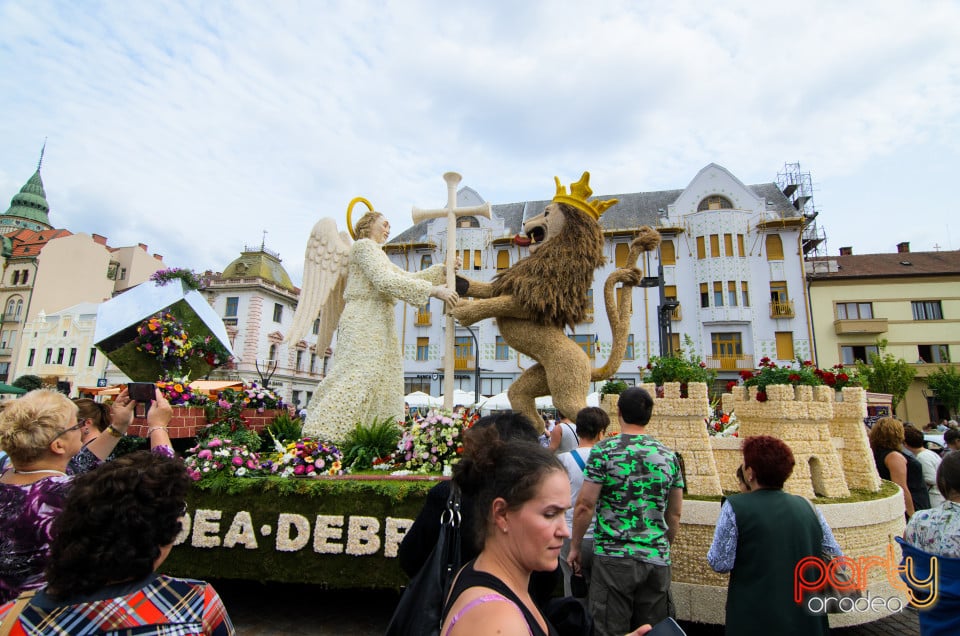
(366, 381)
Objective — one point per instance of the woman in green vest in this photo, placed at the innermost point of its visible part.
(760, 537)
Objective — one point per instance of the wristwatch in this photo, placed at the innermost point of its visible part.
(112, 430)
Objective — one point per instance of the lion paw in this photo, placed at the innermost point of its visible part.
(465, 312)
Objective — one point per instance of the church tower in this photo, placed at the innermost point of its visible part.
(29, 208)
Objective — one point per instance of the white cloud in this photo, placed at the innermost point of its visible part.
(194, 128)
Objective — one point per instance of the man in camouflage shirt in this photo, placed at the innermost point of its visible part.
(634, 484)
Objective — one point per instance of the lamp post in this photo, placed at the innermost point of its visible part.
(476, 358)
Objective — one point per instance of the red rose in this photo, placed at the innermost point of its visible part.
(730, 385)
(761, 396)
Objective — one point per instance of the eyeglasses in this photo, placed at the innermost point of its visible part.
(76, 427)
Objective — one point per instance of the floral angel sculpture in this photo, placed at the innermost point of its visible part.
(355, 286)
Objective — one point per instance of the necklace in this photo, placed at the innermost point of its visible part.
(40, 470)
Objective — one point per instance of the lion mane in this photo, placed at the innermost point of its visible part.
(568, 262)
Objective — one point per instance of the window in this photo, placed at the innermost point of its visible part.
(620, 252)
(774, 247)
(715, 245)
(740, 250)
(727, 347)
(744, 287)
(586, 342)
(728, 244)
(272, 355)
(16, 277)
(854, 311)
(715, 202)
(313, 363)
(295, 397)
(717, 293)
(850, 354)
(4, 371)
(784, 345)
(11, 306)
(299, 360)
(732, 293)
(704, 295)
(933, 353)
(502, 350)
(24, 275)
(426, 261)
(60, 353)
(277, 312)
(423, 349)
(92, 358)
(413, 384)
(701, 248)
(468, 221)
(629, 297)
(16, 312)
(73, 357)
(503, 259)
(316, 327)
(477, 259)
(778, 291)
(233, 303)
(462, 351)
(123, 273)
(589, 315)
(49, 357)
(927, 310)
(674, 342)
(6, 339)
(668, 253)
(628, 354)
(33, 352)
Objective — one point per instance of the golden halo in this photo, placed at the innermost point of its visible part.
(353, 202)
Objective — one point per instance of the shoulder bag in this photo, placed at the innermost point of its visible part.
(420, 609)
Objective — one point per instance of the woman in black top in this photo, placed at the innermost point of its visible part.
(886, 440)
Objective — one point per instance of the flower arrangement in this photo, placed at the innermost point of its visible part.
(163, 276)
(210, 350)
(164, 337)
(178, 392)
(250, 396)
(305, 458)
(428, 445)
(798, 373)
(679, 367)
(221, 455)
(723, 425)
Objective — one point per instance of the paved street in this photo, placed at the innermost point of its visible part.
(277, 609)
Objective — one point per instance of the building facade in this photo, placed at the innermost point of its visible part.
(909, 299)
(731, 289)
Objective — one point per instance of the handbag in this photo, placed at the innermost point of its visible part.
(420, 609)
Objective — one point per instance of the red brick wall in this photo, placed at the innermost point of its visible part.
(187, 419)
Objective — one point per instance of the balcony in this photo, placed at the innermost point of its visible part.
(782, 309)
(860, 325)
(230, 322)
(10, 318)
(730, 363)
(6, 351)
(676, 314)
(464, 363)
(423, 318)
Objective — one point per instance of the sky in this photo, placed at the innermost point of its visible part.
(195, 127)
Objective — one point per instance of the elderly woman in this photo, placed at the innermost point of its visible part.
(101, 576)
(760, 537)
(886, 440)
(520, 492)
(936, 533)
(41, 434)
(366, 382)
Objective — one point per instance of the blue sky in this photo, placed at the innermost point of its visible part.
(192, 127)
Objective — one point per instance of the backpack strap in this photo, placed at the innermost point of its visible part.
(11, 618)
(578, 459)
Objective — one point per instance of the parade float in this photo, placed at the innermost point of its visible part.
(294, 510)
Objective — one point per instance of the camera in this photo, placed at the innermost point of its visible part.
(141, 391)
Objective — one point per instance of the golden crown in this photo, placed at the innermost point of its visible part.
(579, 191)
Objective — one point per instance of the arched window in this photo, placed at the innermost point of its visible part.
(19, 307)
(468, 221)
(668, 253)
(11, 305)
(273, 352)
(715, 202)
(774, 247)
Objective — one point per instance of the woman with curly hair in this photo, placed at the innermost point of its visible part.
(760, 537)
(118, 525)
(886, 440)
(41, 433)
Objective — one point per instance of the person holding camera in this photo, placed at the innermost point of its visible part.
(41, 434)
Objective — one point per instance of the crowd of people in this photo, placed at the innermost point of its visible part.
(595, 514)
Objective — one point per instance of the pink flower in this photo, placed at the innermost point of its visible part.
(299, 470)
(214, 443)
(205, 454)
(237, 461)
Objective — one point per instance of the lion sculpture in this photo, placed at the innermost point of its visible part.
(535, 299)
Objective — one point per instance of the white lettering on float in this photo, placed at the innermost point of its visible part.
(293, 533)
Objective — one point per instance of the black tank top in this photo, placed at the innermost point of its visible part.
(470, 577)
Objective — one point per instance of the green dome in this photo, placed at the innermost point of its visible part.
(30, 205)
(259, 263)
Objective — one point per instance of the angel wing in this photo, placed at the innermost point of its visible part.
(324, 281)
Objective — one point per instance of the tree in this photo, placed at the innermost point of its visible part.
(28, 382)
(945, 383)
(886, 374)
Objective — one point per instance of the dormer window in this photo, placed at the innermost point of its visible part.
(715, 202)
